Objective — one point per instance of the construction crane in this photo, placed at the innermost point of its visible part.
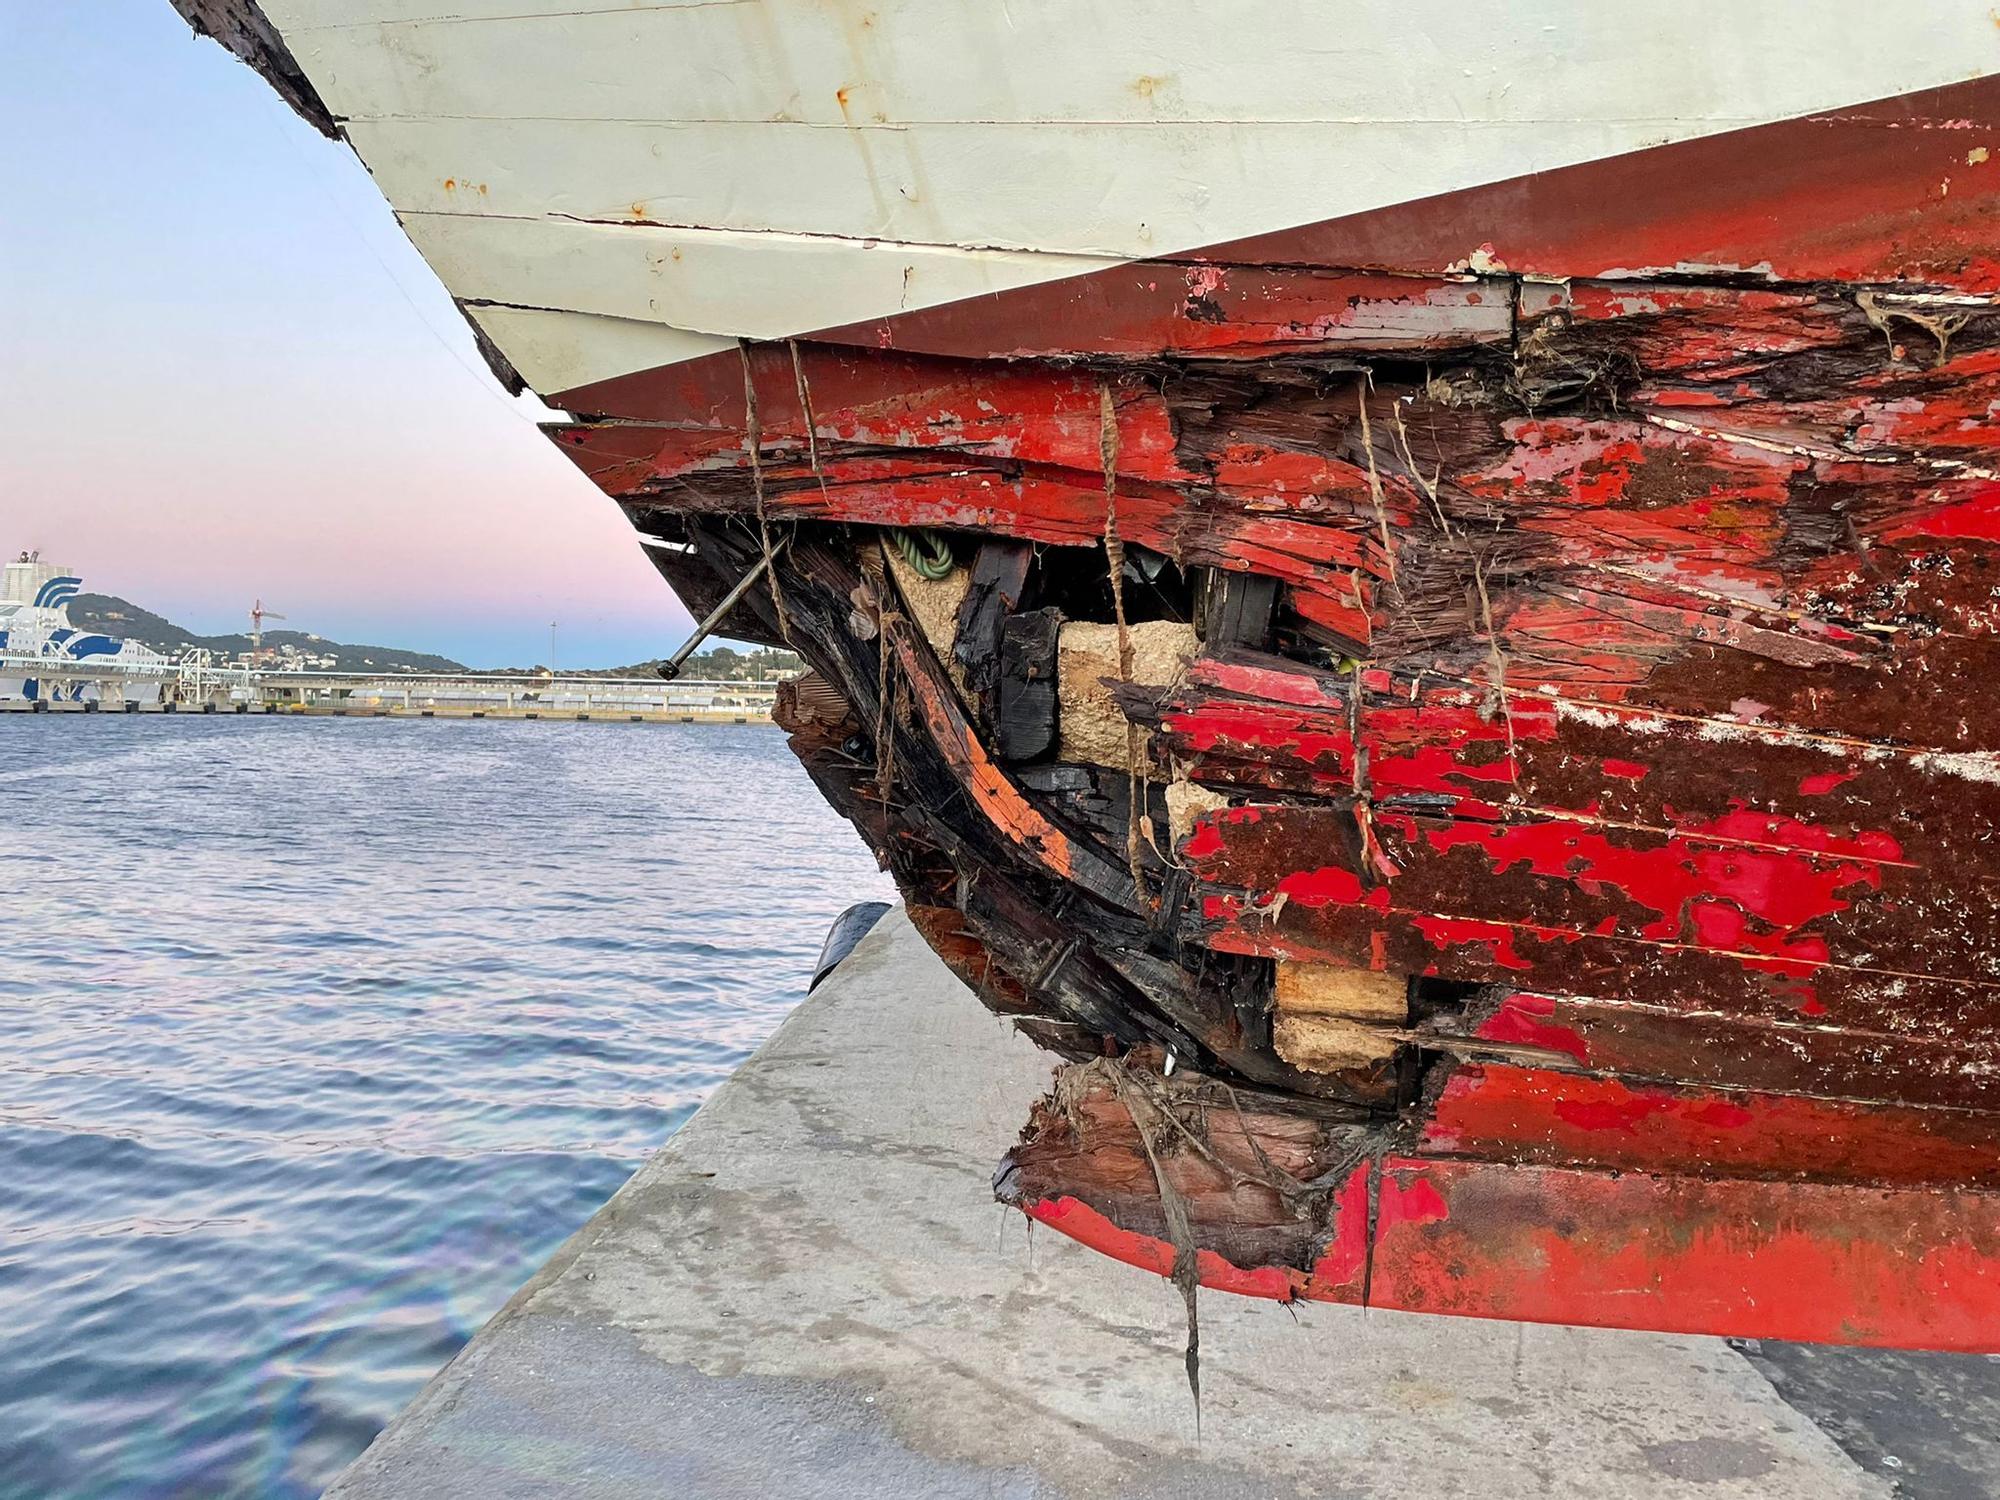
(258, 615)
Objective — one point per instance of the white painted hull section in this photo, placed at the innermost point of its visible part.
(764, 168)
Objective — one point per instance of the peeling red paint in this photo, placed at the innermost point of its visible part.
(1497, 1111)
(1086, 1225)
(1204, 841)
(1408, 1199)
(1497, 938)
(1525, 1019)
(1797, 1260)
(1331, 883)
(1803, 1261)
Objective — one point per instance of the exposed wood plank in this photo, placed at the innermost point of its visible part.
(1264, 722)
(1241, 608)
(1821, 937)
(1329, 1044)
(1025, 716)
(1658, 1042)
(1334, 990)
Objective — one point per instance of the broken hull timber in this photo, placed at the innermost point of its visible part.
(1463, 712)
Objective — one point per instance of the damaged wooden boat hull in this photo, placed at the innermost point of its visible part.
(1425, 616)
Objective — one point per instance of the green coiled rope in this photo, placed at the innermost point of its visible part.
(927, 553)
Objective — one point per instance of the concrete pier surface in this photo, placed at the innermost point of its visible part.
(809, 1292)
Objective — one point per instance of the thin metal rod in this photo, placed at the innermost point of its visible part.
(671, 667)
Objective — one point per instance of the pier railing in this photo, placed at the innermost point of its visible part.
(197, 683)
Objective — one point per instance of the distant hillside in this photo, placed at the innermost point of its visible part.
(716, 664)
(120, 617)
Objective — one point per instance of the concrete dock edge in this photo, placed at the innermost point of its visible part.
(810, 1292)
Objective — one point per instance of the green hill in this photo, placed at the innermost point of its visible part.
(722, 663)
(120, 617)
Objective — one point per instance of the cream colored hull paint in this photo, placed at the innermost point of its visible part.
(763, 168)
(852, 62)
(968, 186)
(558, 351)
(759, 286)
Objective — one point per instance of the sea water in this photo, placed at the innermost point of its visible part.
(318, 1036)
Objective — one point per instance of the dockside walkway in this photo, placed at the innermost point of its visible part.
(809, 1292)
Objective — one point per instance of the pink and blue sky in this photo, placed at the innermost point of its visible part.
(225, 374)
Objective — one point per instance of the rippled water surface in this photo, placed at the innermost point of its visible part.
(317, 1036)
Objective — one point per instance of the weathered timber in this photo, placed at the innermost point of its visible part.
(1655, 1043)
(1349, 1213)
(1263, 723)
(1024, 724)
(994, 593)
(954, 825)
(1241, 610)
(1253, 1172)
(242, 27)
(1484, 1110)
(1326, 1017)
(1842, 907)
(1329, 990)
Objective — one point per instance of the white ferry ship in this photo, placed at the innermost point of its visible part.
(43, 656)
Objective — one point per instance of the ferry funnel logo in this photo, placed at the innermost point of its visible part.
(57, 592)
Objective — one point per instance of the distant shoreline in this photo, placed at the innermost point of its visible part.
(728, 715)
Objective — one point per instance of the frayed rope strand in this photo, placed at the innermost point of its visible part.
(1114, 557)
(753, 443)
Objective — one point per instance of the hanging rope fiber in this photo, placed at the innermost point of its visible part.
(806, 414)
(1135, 743)
(753, 444)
